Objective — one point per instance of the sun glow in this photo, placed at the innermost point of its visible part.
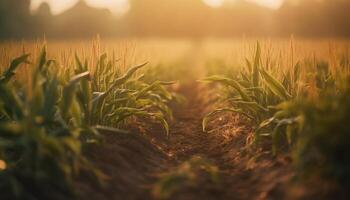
(116, 6)
(275, 4)
(214, 3)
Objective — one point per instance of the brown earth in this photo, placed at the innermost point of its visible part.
(137, 162)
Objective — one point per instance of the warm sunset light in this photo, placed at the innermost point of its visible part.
(121, 6)
(174, 99)
(269, 3)
(214, 3)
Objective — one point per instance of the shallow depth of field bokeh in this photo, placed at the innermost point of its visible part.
(185, 99)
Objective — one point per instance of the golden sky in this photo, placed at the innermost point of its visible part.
(268, 3)
(121, 6)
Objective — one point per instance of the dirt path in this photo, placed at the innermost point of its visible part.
(188, 141)
(187, 138)
(240, 177)
(135, 162)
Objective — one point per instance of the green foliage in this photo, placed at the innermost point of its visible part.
(111, 97)
(44, 128)
(252, 93)
(312, 124)
(324, 140)
(41, 148)
(324, 78)
(320, 133)
(6, 76)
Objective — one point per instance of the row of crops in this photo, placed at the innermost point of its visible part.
(46, 126)
(303, 110)
(49, 120)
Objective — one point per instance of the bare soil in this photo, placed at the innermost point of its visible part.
(134, 162)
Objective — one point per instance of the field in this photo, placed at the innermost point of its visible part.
(175, 119)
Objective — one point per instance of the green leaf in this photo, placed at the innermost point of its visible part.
(110, 129)
(69, 92)
(275, 86)
(257, 60)
(156, 84)
(10, 72)
(253, 105)
(119, 81)
(229, 82)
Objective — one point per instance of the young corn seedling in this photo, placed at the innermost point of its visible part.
(109, 98)
(44, 127)
(39, 134)
(253, 93)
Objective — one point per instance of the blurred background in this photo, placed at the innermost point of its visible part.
(169, 18)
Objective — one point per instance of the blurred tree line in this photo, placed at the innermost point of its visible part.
(180, 18)
(14, 18)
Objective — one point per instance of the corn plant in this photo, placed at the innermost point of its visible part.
(324, 138)
(108, 101)
(272, 99)
(39, 140)
(320, 132)
(252, 92)
(44, 128)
